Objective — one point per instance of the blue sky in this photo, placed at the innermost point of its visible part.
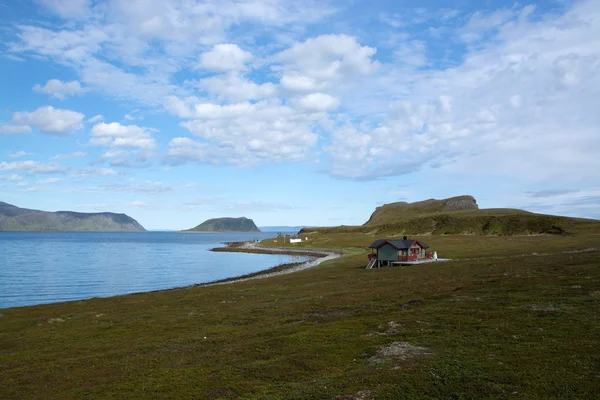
(298, 113)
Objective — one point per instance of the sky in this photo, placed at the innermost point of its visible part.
(298, 113)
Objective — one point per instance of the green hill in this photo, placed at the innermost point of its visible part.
(461, 215)
(402, 210)
(13, 218)
(226, 224)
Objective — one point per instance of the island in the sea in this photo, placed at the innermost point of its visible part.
(13, 218)
(226, 224)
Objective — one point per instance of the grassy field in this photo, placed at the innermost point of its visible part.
(509, 317)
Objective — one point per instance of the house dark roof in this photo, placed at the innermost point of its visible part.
(398, 244)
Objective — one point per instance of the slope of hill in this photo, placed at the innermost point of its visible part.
(401, 210)
(461, 215)
(226, 224)
(13, 218)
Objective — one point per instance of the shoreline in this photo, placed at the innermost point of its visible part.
(247, 247)
(319, 256)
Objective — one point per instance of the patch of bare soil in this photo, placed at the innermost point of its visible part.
(398, 350)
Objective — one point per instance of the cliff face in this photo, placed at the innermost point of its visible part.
(459, 203)
(227, 224)
(13, 218)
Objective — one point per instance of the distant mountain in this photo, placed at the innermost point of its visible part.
(282, 228)
(460, 215)
(13, 218)
(226, 224)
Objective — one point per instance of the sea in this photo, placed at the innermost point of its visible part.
(40, 267)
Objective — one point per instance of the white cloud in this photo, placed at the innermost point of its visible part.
(112, 153)
(67, 9)
(77, 154)
(32, 167)
(217, 204)
(233, 87)
(19, 154)
(12, 178)
(324, 61)
(140, 204)
(225, 57)
(246, 134)
(117, 135)
(412, 53)
(394, 20)
(133, 115)
(132, 49)
(94, 119)
(9, 129)
(318, 102)
(50, 120)
(179, 107)
(85, 172)
(71, 47)
(13, 57)
(59, 89)
(481, 23)
(521, 105)
(148, 187)
(217, 111)
(520, 93)
(192, 23)
(566, 201)
(295, 82)
(146, 88)
(48, 181)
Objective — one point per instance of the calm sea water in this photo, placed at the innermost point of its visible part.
(40, 268)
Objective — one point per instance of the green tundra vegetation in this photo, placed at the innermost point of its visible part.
(511, 316)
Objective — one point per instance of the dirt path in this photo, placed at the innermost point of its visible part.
(325, 256)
